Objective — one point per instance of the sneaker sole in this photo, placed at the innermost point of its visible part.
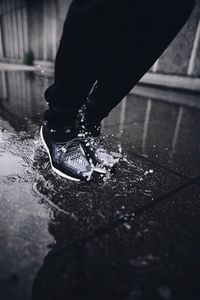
(53, 168)
(100, 170)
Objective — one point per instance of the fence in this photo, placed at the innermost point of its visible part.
(37, 26)
(34, 26)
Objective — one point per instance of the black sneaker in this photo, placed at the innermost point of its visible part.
(67, 155)
(88, 130)
(97, 149)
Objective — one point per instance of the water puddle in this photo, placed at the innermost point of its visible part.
(11, 165)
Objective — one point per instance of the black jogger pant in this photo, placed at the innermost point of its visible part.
(113, 42)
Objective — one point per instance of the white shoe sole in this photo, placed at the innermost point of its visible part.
(53, 168)
(100, 170)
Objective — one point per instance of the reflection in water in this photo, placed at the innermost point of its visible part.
(122, 116)
(148, 127)
(4, 94)
(21, 95)
(67, 271)
(70, 271)
(177, 128)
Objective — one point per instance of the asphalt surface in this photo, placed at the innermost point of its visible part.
(131, 235)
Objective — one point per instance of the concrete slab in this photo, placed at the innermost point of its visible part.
(155, 256)
(160, 154)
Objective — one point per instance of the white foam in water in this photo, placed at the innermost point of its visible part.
(120, 148)
(148, 172)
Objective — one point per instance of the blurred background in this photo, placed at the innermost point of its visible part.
(30, 32)
(32, 29)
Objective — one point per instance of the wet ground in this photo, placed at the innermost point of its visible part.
(133, 235)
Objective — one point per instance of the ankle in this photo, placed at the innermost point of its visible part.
(59, 133)
(57, 118)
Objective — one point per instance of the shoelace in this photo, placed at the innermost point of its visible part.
(71, 148)
(101, 151)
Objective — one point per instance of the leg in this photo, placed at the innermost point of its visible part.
(117, 64)
(145, 30)
(77, 60)
(82, 51)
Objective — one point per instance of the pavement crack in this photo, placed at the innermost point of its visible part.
(168, 195)
(106, 230)
(159, 165)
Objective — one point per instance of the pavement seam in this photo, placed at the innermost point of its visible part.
(105, 230)
(153, 162)
(159, 165)
(168, 195)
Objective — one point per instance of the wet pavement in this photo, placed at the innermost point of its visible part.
(132, 235)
